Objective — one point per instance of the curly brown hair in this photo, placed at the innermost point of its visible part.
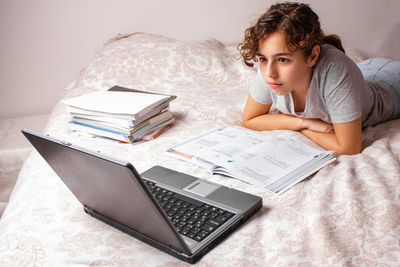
(299, 24)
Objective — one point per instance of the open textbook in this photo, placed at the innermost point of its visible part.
(275, 163)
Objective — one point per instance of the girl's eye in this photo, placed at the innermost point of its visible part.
(283, 60)
(262, 59)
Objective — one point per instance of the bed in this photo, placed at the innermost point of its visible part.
(346, 214)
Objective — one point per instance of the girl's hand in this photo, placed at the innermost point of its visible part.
(318, 125)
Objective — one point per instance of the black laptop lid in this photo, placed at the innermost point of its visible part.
(107, 186)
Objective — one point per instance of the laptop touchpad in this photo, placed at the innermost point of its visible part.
(202, 188)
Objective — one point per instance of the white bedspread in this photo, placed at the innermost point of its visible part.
(346, 214)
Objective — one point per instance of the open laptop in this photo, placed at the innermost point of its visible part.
(179, 214)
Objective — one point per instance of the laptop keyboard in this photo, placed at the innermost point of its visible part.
(190, 217)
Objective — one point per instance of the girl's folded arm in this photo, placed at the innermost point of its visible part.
(346, 138)
(256, 117)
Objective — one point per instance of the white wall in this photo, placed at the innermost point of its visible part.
(45, 43)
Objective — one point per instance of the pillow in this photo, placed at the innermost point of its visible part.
(205, 70)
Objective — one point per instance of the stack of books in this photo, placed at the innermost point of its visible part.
(120, 113)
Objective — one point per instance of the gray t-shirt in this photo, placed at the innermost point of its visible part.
(338, 93)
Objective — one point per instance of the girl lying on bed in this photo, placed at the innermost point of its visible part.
(316, 88)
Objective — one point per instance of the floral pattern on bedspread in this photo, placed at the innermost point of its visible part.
(346, 214)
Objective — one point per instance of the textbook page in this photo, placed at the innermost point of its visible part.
(273, 160)
(215, 147)
(265, 161)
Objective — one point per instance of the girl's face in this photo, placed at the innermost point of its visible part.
(284, 71)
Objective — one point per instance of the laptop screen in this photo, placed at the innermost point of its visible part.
(109, 187)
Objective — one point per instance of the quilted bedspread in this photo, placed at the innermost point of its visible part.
(347, 214)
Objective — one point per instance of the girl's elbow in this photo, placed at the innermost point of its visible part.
(350, 150)
(349, 153)
(245, 123)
